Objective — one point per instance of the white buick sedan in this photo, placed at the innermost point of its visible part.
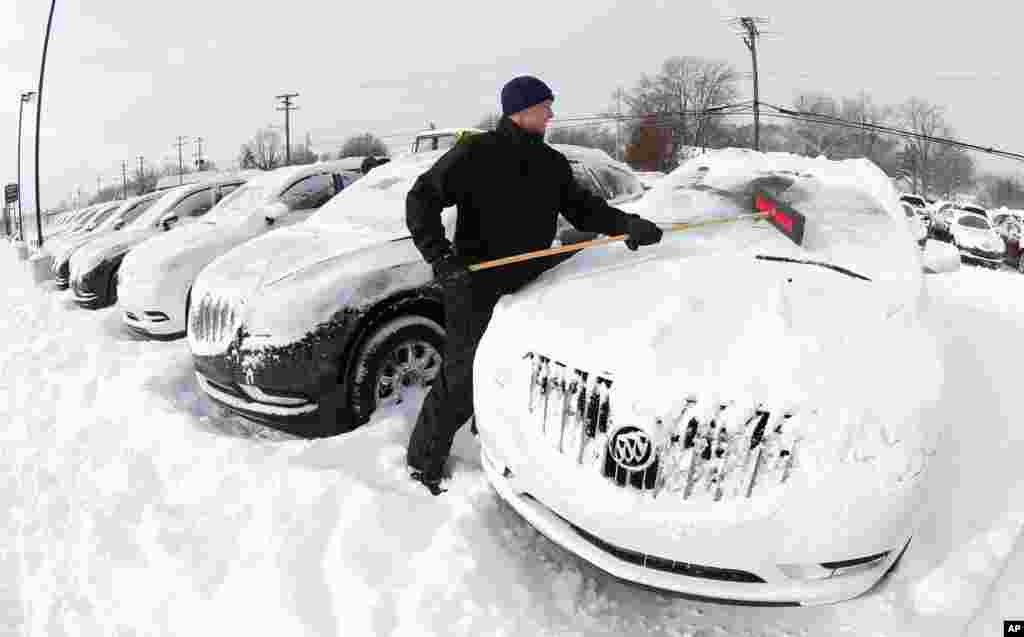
(724, 415)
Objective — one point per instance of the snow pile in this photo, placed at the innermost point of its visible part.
(133, 507)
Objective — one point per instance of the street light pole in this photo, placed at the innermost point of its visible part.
(39, 116)
(22, 100)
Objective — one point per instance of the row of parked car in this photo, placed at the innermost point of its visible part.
(306, 306)
(223, 261)
(990, 238)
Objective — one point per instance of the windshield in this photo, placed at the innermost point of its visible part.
(102, 215)
(973, 221)
(377, 201)
(128, 216)
(161, 206)
(247, 197)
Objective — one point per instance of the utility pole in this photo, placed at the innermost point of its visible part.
(124, 179)
(181, 162)
(199, 153)
(287, 107)
(98, 178)
(618, 124)
(26, 97)
(750, 34)
(39, 117)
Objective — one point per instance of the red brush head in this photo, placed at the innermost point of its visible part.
(788, 221)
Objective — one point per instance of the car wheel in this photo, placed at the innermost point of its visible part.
(399, 356)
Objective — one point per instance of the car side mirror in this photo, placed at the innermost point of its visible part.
(168, 220)
(939, 257)
(275, 211)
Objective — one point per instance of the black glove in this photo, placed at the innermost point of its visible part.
(450, 269)
(641, 232)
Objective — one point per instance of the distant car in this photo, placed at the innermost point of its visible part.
(670, 415)
(440, 139)
(122, 216)
(94, 266)
(310, 328)
(977, 242)
(153, 283)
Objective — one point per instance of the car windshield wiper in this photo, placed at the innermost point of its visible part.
(820, 264)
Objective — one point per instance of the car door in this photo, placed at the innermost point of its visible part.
(304, 196)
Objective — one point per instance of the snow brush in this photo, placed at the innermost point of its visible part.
(784, 218)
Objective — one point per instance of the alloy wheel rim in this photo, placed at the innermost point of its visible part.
(413, 363)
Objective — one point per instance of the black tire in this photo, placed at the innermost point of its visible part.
(417, 339)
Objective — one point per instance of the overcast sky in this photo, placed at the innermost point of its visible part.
(124, 79)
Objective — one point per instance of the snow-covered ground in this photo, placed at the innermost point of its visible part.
(135, 508)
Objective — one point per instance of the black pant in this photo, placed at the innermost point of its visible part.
(449, 403)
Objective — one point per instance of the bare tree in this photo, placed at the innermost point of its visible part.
(865, 142)
(678, 99)
(366, 145)
(595, 136)
(264, 151)
(924, 118)
(818, 137)
(952, 171)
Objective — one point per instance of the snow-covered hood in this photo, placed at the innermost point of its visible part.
(95, 252)
(186, 250)
(724, 311)
(268, 260)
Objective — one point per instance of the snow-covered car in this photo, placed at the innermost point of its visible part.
(309, 329)
(917, 223)
(94, 266)
(153, 284)
(977, 242)
(62, 248)
(685, 417)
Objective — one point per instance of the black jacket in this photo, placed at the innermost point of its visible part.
(509, 187)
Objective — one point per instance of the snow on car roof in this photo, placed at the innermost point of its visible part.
(436, 132)
(849, 204)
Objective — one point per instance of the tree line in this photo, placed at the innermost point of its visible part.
(682, 109)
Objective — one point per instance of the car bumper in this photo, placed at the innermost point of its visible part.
(703, 582)
(152, 324)
(86, 298)
(993, 259)
(301, 420)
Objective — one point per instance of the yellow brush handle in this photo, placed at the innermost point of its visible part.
(675, 227)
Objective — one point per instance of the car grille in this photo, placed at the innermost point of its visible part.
(716, 451)
(213, 323)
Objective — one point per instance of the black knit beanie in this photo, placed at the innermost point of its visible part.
(523, 92)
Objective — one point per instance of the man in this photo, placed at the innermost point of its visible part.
(508, 186)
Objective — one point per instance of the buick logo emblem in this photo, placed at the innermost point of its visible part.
(631, 448)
